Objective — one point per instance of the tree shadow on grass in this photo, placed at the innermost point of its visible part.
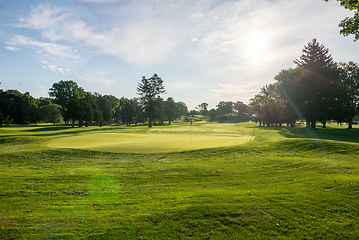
(51, 130)
(336, 134)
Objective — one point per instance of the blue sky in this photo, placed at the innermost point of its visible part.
(204, 50)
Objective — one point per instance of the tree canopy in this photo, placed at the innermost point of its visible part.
(350, 25)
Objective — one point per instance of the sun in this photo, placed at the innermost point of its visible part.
(255, 48)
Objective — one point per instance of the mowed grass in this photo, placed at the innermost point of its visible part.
(285, 184)
(174, 139)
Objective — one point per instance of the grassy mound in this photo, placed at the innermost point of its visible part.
(146, 143)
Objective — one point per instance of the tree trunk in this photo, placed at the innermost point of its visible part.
(307, 124)
(312, 125)
(149, 122)
(73, 123)
(324, 125)
(350, 125)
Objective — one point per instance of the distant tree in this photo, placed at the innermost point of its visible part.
(67, 94)
(225, 108)
(32, 114)
(127, 111)
(13, 105)
(350, 25)
(193, 112)
(97, 116)
(240, 108)
(149, 90)
(138, 114)
(212, 114)
(347, 106)
(171, 110)
(90, 106)
(159, 110)
(182, 108)
(42, 101)
(51, 113)
(203, 109)
(106, 105)
(1, 119)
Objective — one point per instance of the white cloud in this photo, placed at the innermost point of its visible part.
(11, 48)
(54, 68)
(50, 48)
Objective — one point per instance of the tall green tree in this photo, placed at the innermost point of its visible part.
(149, 90)
(350, 25)
(312, 86)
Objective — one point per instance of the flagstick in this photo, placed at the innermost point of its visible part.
(190, 132)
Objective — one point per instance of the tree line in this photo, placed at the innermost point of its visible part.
(70, 103)
(316, 90)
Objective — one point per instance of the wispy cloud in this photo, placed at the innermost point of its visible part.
(11, 48)
(148, 40)
(50, 48)
(44, 17)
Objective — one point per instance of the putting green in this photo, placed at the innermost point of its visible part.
(145, 143)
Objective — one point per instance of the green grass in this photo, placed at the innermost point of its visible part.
(285, 184)
(161, 139)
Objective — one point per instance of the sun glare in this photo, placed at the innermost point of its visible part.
(255, 48)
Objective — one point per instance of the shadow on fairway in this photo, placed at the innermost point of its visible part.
(336, 134)
(66, 130)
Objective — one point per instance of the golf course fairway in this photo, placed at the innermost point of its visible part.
(145, 143)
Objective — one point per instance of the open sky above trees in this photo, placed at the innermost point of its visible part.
(204, 51)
